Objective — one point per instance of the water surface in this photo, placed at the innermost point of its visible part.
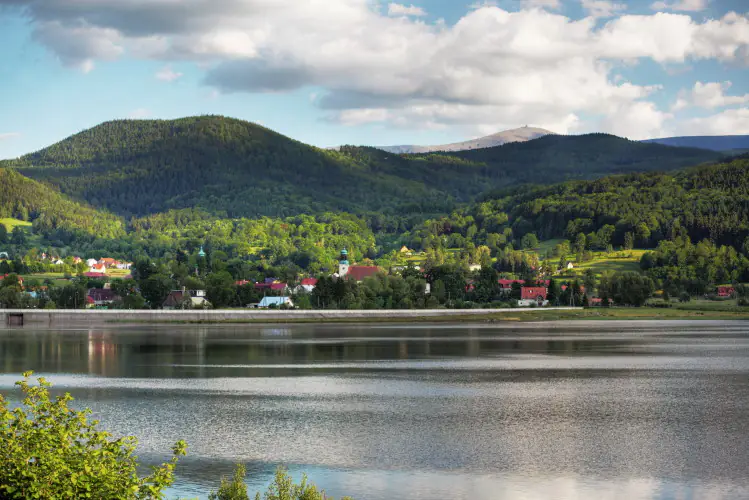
(588, 410)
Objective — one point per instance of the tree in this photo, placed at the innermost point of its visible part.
(529, 241)
(219, 289)
(72, 457)
(3, 234)
(629, 241)
(234, 489)
(18, 236)
(155, 289)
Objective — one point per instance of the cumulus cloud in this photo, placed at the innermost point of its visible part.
(396, 9)
(490, 69)
(681, 5)
(602, 8)
(728, 122)
(167, 74)
(709, 95)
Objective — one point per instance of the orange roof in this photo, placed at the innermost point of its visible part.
(358, 273)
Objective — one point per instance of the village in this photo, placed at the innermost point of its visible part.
(106, 275)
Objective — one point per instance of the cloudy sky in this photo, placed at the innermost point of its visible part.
(328, 72)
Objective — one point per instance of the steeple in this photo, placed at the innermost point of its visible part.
(343, 263)
(201, 253)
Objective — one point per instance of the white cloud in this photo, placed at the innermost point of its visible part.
(709, 95)
(602, 8)
(489, 70)
(728, 122)
(681, 5)
(9, 135)
(396, 9)
(139, 114)
(167, 74)
(549, 4)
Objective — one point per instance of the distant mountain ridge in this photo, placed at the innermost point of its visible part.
(725, 143)
(521, 134)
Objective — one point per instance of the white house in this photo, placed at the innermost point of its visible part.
(275, 302)
(97, 268)
(91, 262)
(474, 267)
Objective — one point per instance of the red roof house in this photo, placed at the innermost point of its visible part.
(359, 273)
(533, 293)
(309, 282)
(726, 291)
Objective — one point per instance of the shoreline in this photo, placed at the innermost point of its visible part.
(66, 317)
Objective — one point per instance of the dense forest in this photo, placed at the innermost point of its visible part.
(53, 214)
(233, 168)
(633, 210)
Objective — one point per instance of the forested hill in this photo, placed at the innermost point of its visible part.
(236, 168)
(51, 213)
(708, 202)
(229, 167)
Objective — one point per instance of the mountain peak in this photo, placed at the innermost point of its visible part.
(521, 134)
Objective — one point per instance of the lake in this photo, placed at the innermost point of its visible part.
(575, 410)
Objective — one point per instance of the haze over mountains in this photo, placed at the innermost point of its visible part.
(521, 134)
(726, 143)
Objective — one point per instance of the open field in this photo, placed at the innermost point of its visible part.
(12, 223)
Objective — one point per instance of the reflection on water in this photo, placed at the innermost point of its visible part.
(640, 410)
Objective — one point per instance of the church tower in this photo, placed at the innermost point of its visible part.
(343, 264)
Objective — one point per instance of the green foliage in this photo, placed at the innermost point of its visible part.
(52, 214)
(283, 487)
(50, 451)
(244, 170)
(631, 289)
(234, 489)
(155, 289)
(220, 290)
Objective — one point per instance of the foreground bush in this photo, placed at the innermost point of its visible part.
(50, 451)
(283, 487)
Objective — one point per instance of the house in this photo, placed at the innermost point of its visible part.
(537, 293)
(98, 268)
(307, 285)
(107, 261)
(404, 250)
(186, 299)
(725, 291)
(272, 286)
(102, 297)
(4, 256)
(123, 265)
(91, 262)
(474, 267)
(275, 302)
(59, 262)
(359, 273)
(569, 266)
(532, 303)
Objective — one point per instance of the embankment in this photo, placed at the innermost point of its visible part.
(68, 317)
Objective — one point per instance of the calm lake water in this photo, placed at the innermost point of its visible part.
(582, 410)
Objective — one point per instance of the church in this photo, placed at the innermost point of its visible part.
(356, 273)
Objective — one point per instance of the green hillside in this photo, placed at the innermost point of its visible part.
(239, 169)
(641, 210)
(23, 200)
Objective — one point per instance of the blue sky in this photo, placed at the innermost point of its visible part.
(331, 72)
